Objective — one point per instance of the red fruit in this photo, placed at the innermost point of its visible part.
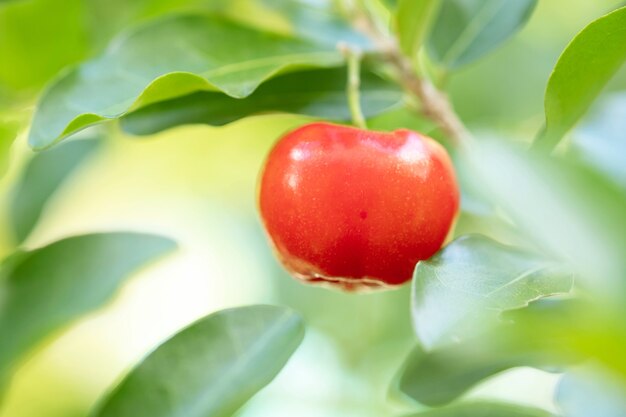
(356, 208)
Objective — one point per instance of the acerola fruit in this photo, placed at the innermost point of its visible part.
(356, 208)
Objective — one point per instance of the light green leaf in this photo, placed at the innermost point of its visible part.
(569, 210)
(42, 176)
(316, 93)
(210, 368)
(600, 141)
(463, 289)
(413, 19)
(591, 391)
(484, 409)
(466, 30)
(584, 68)
(166, 59)
(45, 289)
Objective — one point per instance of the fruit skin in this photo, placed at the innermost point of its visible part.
(356, 208)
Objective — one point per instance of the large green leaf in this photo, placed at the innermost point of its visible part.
(568, 209)
(45, 289)
(537, 337)
(210, 368)
(584, 68)
(465, 287)
(166, 59)
(484, 409)
(466, 30)
(412, 20)
(318, 93)
(43, 175)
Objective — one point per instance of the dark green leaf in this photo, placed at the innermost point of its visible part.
(45, 289)
(591, 391)
(584, 68)
(412, 23)
(569, 210)
(484, 409)
(466, 30)
(316, 93)
(466, 285)
(600, 141)
(43, 175)
(166, 59)
(211, 368)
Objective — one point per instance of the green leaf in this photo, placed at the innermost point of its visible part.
(318, 20)
(466, 285)
(584, 68)
(484, 409)
(466, 30)
(442, 375)
(166, 59)
(43, 290)
(210, 368)
(568, 209)
(600, 141)
(413, 21)
(316, 93)
(591, 391)
(43, 175)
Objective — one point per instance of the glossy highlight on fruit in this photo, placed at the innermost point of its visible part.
(356, 208)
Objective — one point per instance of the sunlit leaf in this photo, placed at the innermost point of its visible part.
(42, 176)
(584, 68)
(316, 93)
(211, 368)
(466, 30)
(463, 288)
(166, 59)
(45, 289)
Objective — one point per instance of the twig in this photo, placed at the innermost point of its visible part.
(353, 58)
(434, 104)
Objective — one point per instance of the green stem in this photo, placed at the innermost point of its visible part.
(353, 89)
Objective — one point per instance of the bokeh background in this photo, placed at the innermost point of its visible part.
(197, 184)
